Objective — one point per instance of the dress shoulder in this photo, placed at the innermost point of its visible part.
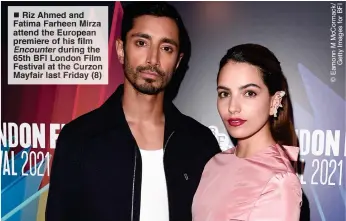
(280, 200)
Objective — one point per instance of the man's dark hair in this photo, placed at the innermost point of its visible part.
(160, 9)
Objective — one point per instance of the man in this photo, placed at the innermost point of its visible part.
(136, 157)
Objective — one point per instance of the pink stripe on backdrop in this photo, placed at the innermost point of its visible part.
(43, 114)
(75, 103)
(30, 101)
(64, 103)
(87, 100)
(116, 75)
(111, 49)
(61, 114)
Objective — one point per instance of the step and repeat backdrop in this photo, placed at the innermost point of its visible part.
(56, 69)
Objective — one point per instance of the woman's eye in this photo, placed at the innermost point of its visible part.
(223, 94)
(250, 94)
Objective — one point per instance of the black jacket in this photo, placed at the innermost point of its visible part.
(96, 170)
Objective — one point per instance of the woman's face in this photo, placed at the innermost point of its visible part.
(243, 99)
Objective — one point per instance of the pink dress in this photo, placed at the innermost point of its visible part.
(263, 187)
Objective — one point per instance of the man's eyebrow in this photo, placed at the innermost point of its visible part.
(170, 41)
(164, 40)
(141, 35)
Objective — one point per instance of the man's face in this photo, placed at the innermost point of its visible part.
(150, 55)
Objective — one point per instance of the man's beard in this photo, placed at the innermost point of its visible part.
(151, 86)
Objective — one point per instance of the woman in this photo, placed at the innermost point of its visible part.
(255, 180)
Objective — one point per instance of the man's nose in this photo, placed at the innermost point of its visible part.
(153, 56)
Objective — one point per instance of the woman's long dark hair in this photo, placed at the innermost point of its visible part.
(282, 127)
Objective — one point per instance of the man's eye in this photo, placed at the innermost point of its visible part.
(140, 43)
(168, 49)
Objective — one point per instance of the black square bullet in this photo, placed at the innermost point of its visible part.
(16, 14)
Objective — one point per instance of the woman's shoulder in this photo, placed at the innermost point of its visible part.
(283, 179)
(287, 184)
(279, 158)
(288, 176)
(283, 175)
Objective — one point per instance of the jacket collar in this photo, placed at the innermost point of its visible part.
(115, 118)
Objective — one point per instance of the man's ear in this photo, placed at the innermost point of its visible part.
(119, 44)
(179, 60)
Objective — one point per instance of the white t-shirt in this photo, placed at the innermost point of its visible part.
(154, 201)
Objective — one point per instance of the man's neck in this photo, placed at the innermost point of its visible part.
(140, 107)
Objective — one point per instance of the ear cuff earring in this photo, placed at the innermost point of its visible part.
(281, 94)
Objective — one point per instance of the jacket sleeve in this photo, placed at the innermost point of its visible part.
(63, 200)
(280, 200)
